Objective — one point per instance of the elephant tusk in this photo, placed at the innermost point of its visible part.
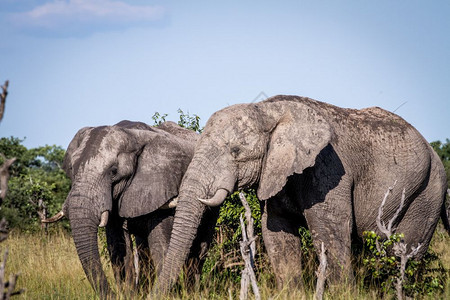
(216, 200)
(104, 219)
(172, 203)
(55, 218)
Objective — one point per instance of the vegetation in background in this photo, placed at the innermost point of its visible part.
(381, 268)
(185, 120)
(36, 178)
(443, 150)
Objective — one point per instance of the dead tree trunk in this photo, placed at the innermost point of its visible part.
(4, 176)
(7, 287)
(248, 253)
(321, 274)
(3, 99)
(400, 248)
(4, 168)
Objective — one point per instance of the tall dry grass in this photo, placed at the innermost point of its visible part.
(50, 269)
(48, 265)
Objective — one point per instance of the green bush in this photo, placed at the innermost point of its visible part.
(185, 120)
(381, 268)
(224, 260)
(36, 177)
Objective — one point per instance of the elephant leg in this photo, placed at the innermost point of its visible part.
(120, 249)
(159, 237)
(330, 221)
(422, 216)
(283, 244)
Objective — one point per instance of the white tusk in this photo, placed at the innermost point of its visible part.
(104, 219)
(172, 203)
(55, 218)
(217, 199)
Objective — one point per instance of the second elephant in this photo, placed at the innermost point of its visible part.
(124, 177)
(312, 164)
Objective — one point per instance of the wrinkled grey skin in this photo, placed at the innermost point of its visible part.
(131, 170)
(311, 163)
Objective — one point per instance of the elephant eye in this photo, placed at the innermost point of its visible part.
(113, 171)
(235, 151)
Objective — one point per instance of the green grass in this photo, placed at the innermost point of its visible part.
(49, 269)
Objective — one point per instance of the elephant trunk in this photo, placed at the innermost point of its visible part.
(84, 230)
(201, 180)
(187, 220)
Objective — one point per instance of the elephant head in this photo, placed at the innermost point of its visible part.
(246, 145)
(129, 169)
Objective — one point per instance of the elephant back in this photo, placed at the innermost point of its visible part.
(183, 133)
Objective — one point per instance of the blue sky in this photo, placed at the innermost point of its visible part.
(76, 63)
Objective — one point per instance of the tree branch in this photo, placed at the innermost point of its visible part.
(248, 253)
(321, 274)
(3, 99)
(4, 176)
(400, 248)
(385, 230)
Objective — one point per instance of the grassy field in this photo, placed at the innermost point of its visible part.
(49, 269)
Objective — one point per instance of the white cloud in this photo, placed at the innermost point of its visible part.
(73, 16)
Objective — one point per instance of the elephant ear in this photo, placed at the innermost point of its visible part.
(160, 168)
(72, 154)
(297, 138)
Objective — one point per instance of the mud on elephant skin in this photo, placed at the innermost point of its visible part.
(315, 163)
(125, 177)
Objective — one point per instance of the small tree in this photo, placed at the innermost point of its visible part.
(389, 262)
(37, 183)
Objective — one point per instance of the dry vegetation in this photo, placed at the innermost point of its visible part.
(50, 269)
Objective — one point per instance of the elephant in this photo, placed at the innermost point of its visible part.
(312, 164)
(126, 177)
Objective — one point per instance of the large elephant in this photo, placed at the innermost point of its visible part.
(311, 163)
(125, 177)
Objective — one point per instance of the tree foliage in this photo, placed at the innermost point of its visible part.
(185, 120)
(36, 177)
(381, 268)
(443, 151)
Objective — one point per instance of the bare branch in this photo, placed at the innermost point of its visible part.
(3, 99)
(414, 251)
(388, 230)
(321, 274)
(400, 248)
(380, 224)
(397, 212)
(250, 224)
(4, 176)
(3, 229)
(248, 253)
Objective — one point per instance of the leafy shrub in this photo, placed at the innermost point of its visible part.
(36, 177)
(224, 260)
(189, 122)
(185, 120)
(381, 268)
